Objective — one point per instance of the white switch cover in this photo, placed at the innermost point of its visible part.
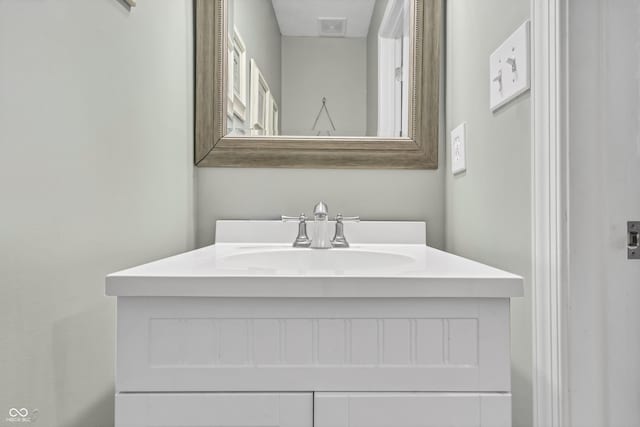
(458, 149)
(509, 68)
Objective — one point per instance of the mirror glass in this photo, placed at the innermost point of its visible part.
(318, 68)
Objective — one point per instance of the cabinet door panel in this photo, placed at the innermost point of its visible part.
(412, 410)
(214, 410)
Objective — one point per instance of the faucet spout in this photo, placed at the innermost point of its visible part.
(321, 239)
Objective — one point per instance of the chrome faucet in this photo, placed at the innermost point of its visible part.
(320, 238)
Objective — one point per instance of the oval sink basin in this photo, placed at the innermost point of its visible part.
(317, 259)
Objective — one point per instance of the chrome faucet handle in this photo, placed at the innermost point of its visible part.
(302, 240)
(342, 218)
(300, 217)
(339, 240)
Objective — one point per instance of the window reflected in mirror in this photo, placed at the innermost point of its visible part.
(319, 67)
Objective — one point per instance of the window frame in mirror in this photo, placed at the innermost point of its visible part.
(215, 149)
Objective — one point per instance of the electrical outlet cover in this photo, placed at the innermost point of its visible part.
(458, 149)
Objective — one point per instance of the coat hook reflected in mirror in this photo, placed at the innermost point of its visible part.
(324, 132)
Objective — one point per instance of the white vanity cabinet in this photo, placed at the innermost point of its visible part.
(421, 343)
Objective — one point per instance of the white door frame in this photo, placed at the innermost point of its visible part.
(550, 207)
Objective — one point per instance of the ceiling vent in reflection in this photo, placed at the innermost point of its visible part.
(332, 27)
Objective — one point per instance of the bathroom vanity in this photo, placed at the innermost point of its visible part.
(253, 332)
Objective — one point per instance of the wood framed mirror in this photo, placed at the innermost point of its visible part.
(245, 117)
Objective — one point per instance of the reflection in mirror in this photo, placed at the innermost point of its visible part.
(318, 67)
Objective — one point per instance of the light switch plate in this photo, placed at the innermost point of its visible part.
(458, 149)
(509, 68)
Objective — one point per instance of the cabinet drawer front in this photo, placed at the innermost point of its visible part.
(412, 410)
(211, 344)
(214, 410)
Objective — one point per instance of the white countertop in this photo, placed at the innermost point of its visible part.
(212, 272)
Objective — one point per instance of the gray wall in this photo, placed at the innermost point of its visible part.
(96, 116)
(269, 193)
(372, 67)
(488, 208)
(317, 67)
(257, 24)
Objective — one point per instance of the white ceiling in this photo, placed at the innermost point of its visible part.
(300, 17)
